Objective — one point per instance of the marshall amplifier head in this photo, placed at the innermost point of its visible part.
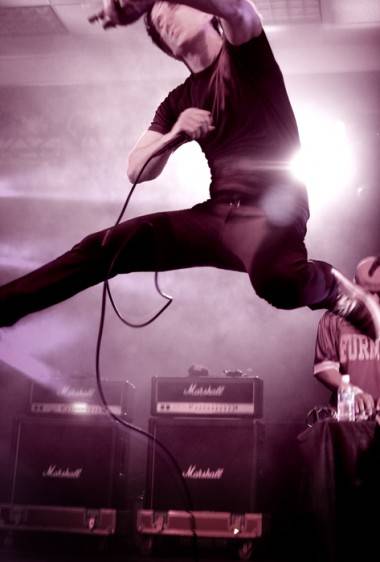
(222, 397)
(80, 397)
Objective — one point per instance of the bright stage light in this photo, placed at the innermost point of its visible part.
(326, 161)
(192, 172)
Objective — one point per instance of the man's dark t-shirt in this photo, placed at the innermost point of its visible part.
(255, 132)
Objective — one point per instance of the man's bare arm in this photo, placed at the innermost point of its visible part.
(239, 18)
(364, 402)
(193, 123)
(331, 378)
(148, 144)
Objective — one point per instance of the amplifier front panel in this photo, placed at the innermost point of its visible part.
(219, 460)
(67, 463)
(214, 396)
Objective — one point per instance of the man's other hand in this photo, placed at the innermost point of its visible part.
(120, 12)
(364, 405)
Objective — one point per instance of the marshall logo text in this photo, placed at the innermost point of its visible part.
(66, 473)
(196, 473)
(196, 390)
(78, 393)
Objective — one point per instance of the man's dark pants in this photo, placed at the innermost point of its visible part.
(224, 232)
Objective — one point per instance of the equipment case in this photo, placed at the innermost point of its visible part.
(241, 529)
(211, 524)
(56, 519)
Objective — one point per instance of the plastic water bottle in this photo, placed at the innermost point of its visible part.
(346, 400)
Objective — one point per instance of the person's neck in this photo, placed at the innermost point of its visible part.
(204, 53)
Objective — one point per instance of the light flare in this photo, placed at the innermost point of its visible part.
(326, 161)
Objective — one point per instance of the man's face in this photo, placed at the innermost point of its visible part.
(178, 25)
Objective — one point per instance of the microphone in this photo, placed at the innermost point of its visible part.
(178, 140)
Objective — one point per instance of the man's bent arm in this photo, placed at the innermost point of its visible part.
(364, 402)
(331, 378)
(148, 144)
(239, 18)
(192, 123)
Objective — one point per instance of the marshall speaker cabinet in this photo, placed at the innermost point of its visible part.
(218, 459)
(69, 462)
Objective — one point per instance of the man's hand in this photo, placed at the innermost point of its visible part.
(120, 12)
(194, 122)
(364, 405)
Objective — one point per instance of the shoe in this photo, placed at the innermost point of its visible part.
(357, 306)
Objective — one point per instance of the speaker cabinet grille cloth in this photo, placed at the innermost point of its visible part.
(219, 460)
(68, 463)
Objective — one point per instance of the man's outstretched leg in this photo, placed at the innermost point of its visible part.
(349, 301)
(86, 264)
(356, 305)
(282, 275)
(155, 242)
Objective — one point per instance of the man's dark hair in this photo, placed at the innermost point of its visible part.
(156, 37)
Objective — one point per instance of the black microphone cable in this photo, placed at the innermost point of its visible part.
(107, 292)
(139, 430)
(180, 139)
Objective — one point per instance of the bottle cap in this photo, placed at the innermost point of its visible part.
(346, 379)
